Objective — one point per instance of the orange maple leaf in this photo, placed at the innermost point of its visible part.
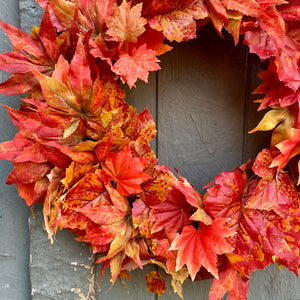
(138, 65)
(126, 170)
(193, 244)
(126, 23)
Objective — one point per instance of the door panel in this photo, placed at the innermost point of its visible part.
(202, 105)
(201, 90)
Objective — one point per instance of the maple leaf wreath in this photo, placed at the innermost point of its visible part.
(84, 153)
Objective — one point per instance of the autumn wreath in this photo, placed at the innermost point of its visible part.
(84, 153)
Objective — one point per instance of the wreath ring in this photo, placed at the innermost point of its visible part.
(84, 152)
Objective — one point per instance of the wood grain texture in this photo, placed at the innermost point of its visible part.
(61, 271)
(14, 247)
(30, 14)
(201, 107)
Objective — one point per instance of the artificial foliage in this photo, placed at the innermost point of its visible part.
(84, 153)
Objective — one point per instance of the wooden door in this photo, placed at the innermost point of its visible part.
(202, 104)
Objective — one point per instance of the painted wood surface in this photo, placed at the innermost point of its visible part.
(14, 243)
(203, 108)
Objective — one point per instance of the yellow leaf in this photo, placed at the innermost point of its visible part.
(271, 119)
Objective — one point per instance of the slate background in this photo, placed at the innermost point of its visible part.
(181, 101)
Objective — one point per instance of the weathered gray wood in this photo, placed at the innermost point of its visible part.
(273, 284)
(201, 107)
(136, 287)
(30, 14)
(64, 270)
(14, 249)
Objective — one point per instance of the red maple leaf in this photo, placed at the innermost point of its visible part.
(288, 148)
(141, 219)
(277, 93)
(172, 214)
(163, 250)
(137, 65)
(29, 54)
(155, 283)
(259, 236)
(287, 62)
(113, 224)
(199, 247)
(229, 280)
(273, 192)
(126, 170)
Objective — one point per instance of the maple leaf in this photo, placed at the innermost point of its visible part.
(172, 214)
(155, 283)
(11, 149)
(193, 244)
(154, 40)
(64, 11)
(141, 219)
(27, 172)
(289, 148)
(273, 192)
(163, 251)
(33, 192)
(138, 65)
(194, 199)
(287, 62)
(229, 280)
(80, 74)
(271, 119)
(99, 11)
(72, 93)
(179, 22)
(29, 54)
(277, 93)
(126, 23)
(141, 125)
(126, 170)
(112, 231)
(156, 190)
(290, 11)
(259, 239)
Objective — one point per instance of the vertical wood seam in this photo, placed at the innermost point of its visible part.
(28, 231)
(156, 113)
(246, 99)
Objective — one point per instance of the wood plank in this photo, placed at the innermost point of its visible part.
(201, 107)
(62, 271)
(14, 243)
